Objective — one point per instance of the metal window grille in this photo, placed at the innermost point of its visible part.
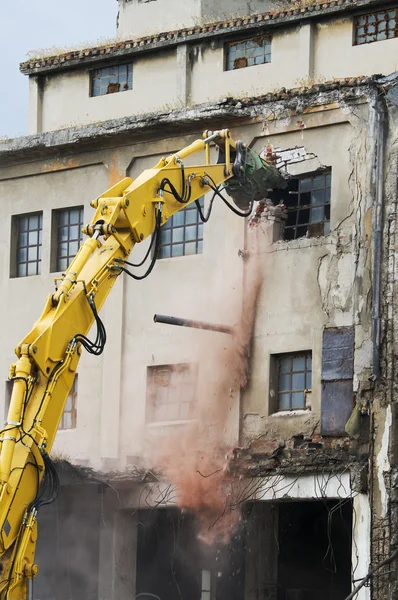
(294, 378)
(182, 235)
(69, 235)
(29, 244)
(247, 53)
(110, 80)
(171, 392)
(68, 419)
(376, 26)
(308, 204)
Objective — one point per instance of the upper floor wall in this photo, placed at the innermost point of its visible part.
(209, 69)
(140, 17)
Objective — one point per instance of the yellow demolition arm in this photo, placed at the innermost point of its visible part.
(48, 356)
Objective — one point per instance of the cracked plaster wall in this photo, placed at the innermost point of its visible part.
(310, 284)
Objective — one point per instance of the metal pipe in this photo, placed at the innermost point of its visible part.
(378, 108)
(194, 324)
(30, 589)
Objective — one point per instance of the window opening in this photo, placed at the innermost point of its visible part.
(182, 235)
(68, 419)
(375, 27)
(206, 585)
(307, 199)
(110, 80)
(294, 379)
(171, 392)
(314, 549)
(247, 53)
(69, 223)
(29, 244)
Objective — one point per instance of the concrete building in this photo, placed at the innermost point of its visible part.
(304, 504)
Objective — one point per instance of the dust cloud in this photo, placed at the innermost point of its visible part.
(195, 458)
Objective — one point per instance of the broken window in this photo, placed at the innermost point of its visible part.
(110, 80)
(376, 26)
(293, 379)
(68, 225)
(307, 199)
(247, 53)
(182, 235)
(28, 235)
(68, 419)
(171, 393)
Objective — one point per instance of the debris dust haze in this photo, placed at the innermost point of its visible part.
(194, 457)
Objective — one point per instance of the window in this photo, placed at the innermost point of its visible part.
(206, 585)
(182, 235)
(307, 200)
(247, 53)
(28, 229)
(68, 225)
(374, 27)
(110, 80)
(294, 377)
(68, 419)
(171, 393)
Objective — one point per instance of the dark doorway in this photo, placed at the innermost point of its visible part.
(173, 564)
(314, 559)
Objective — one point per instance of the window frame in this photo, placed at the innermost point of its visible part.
(311, 225)
(183, 214)
(73, 411)
(55, 236)
(237, 41)
(151, 400)
(16, 246)
(129, 77)
(275, 381)
(356, 26)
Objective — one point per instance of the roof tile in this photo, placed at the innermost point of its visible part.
(70, 56)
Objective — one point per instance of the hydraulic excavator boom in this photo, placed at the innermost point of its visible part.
(48, 356)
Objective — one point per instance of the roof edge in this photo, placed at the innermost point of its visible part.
(226, 112)
(159, 41)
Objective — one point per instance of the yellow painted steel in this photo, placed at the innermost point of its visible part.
(44, 372)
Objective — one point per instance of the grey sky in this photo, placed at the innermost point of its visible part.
(35, 24)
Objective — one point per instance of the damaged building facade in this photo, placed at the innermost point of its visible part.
(309, 440)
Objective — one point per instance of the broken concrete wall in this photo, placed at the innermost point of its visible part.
(188, 68)
(310, 284)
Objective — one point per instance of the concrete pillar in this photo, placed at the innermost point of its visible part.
(261, 552)
(183, 75)
(112, 376)
(307, 43)
(117, 554)
(35, 105)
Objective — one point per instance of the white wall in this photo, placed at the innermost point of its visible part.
(336, 56)
(137, 17)
(66, 97)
